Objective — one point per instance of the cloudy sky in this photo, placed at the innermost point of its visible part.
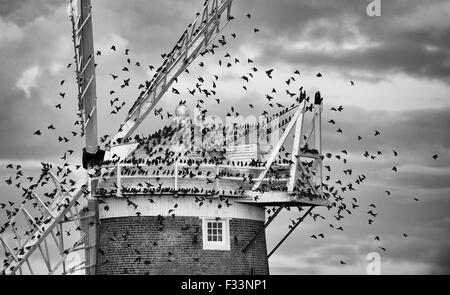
(399, 62)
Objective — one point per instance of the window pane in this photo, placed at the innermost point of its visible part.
(215, 232)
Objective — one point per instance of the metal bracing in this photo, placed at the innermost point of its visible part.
(269, 220)
(297, 171)
(290, 231)
(192, 43)
(277, 147)
(293, 173)
(61, 210)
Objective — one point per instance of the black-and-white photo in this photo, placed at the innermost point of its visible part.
(224, 137)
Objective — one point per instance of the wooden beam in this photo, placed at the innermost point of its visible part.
(292, 229)
(263, 228)
(293, 174)
(276, 149)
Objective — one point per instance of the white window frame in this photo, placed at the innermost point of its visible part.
(216, 245)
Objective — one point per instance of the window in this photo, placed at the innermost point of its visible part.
(216, 234)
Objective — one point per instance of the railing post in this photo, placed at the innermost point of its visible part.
(119, 181)
(176, 175)
(318, 141)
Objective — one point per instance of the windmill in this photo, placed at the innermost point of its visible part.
(220, 222)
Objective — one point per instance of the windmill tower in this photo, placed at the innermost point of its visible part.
(179, 201)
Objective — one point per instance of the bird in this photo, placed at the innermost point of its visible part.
(37, 132)
(319, 75)
(435, 157)
(269, 73)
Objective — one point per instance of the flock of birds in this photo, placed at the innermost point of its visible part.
(157, 159)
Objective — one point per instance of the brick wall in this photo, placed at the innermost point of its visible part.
(141, 245)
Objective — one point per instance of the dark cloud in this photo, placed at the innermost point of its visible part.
(422, 131)
(389, 43)
(22, 12)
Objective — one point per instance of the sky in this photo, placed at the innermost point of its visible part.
(399, 62)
